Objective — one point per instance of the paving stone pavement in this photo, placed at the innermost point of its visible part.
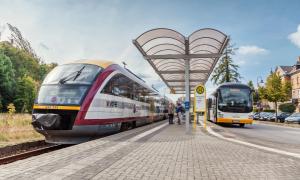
(167, 153)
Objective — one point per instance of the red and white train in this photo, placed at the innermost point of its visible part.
(83, 99)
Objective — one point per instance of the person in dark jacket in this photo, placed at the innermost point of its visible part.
(179, 111)
(171, 113)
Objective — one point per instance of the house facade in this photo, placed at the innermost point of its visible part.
(292, 73)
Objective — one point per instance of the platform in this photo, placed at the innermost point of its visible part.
(156, 151)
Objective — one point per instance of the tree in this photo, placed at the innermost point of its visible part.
(45, 69)
(23, 63)
(1, 106)
(274, 91)
(287, 107)
(7, 81)
(226, 71)
(25, 94)
(255, 95)
(287, 88)
(20, 41)
(250, 84)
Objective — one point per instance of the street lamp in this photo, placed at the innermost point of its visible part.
(258, 104)
(260, 82)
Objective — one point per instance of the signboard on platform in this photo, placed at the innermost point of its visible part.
(199, 99)
(187, 105)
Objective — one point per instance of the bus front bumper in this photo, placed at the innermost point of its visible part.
(234, 121)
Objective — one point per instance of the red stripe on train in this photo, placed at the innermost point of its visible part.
(80, 119)
(89, 97)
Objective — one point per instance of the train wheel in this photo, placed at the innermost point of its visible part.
(242, 125)
(133, 124)
(124, 126)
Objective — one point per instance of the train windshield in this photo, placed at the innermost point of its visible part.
(61, 94)
(72, 74)
(237, 100)
(67, 84)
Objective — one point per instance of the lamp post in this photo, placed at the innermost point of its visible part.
(261, 81)
(258, 102)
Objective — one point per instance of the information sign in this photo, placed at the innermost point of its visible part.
(199, 99)
(187, 105)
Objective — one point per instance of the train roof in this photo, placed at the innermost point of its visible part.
(97, 62)
(105, 63)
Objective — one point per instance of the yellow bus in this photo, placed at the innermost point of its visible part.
(231, 103)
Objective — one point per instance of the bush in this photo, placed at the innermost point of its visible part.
(287, 107)
(269, 110)
(11, 109)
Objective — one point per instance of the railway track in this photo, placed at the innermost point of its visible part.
(30, 153)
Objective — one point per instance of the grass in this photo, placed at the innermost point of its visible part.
(16, 129)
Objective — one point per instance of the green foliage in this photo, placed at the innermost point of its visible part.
(287, 107)
(45, 69)
(269, 110)
(23, 62)
(20, 75)
(274, 91)
(7, 81)
(250, 84)
(226, 71)
(25, 94)
(255, 95)
(11, 109)
(261, 92)
(287, 89)
(1, 106)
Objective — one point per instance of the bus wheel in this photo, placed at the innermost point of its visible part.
(242, 125)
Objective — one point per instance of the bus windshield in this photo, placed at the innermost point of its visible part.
(231, 99)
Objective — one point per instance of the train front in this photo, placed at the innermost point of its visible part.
(59, 101)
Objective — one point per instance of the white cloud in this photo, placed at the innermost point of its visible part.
(295, 37)
(240, 62)
(251, 50)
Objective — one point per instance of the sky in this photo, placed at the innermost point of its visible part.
(266, 33)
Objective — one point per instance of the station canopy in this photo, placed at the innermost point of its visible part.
(167, 50)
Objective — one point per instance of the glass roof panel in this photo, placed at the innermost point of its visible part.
(159, 33)
(167, 50)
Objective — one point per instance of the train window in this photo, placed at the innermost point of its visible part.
(116, 91)
(121, 85)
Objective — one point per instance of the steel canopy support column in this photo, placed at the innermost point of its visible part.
(187, 95)
(187, 84)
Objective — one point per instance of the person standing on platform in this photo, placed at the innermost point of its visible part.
(179, 112)
(171, 113)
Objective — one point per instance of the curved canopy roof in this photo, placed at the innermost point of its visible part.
(166, 50)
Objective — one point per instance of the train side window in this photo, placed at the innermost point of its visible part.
(118, 85)
(108, 88)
